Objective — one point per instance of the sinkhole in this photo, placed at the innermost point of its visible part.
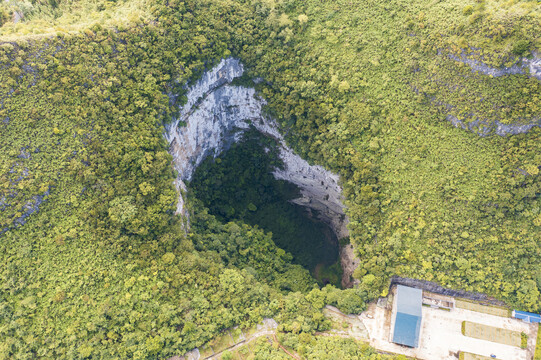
(239, 185)
(236, 161)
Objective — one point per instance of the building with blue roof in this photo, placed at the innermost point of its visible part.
(408, 316)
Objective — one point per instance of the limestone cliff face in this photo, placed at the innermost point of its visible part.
(215, 116)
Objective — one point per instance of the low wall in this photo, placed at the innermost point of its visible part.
(438, 289)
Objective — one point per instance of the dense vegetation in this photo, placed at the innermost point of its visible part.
(103, 270)
(365, 88)
(239, 185)
(38, 18)
(320, 348)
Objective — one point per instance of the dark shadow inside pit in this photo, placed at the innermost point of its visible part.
(239, 185)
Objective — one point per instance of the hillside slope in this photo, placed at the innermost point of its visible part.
(94, 261)
(368, 88)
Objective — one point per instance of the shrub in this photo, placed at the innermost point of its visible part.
(468, 10)
(523, 340)
(5, 15)
(521, 47)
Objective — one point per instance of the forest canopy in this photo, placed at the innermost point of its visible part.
(94, 261)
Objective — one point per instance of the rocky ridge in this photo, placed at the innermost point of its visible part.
(486, 128)
(529, 66)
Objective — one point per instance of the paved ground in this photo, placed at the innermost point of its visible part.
(441, 336)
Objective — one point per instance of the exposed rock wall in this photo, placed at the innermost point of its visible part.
(31, 204)
(486, 128)
(522, 66)
(215, 116)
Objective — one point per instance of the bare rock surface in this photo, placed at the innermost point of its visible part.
(524, 65)
(215, 116)
(486, 128)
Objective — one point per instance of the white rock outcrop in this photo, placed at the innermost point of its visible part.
(523, 65)
(215, 116)
(487, 128)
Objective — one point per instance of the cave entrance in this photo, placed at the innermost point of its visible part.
(239, 185)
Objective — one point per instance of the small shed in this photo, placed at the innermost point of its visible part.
(407, 321)
(526, 316)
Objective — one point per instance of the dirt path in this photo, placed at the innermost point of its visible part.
(355, 329)
(284, 349)
(255, 336)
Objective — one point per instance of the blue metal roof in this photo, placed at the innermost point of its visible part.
(406, 329)
(409, 307)
(527, 316)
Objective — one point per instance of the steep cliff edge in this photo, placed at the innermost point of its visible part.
(213, 118)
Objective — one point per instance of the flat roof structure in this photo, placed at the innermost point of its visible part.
(407, 324)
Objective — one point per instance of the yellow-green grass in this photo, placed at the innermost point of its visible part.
(205, 351)
(73, 17)
(242, 352)
(222, 342)
(493, 334)
(249, 331)
(485, 309)
(237, 334)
